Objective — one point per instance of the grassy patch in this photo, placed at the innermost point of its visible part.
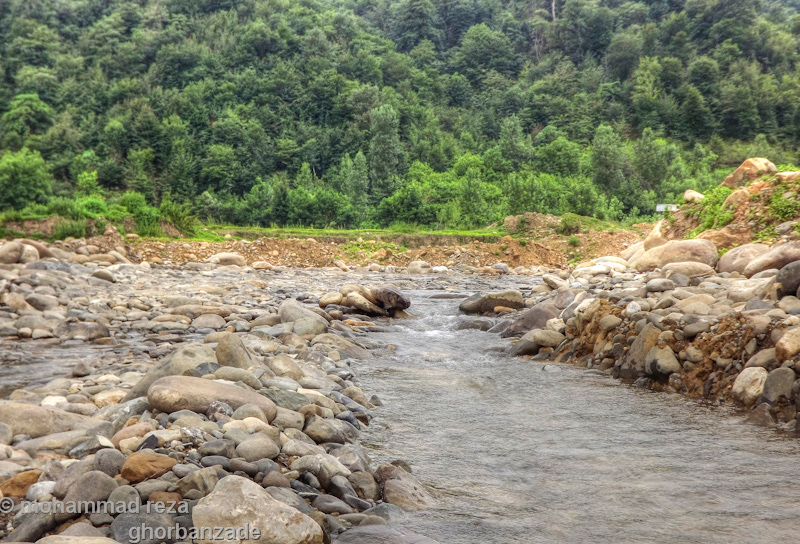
(65, 228)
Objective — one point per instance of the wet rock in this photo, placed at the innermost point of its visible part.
(482, 303)
(661, 362)
(403, 489)
(761, 416)
(277, 522)
(373, 534)
(174, 393)
(778, 384)
(79, 330)
(390, 299)
(749, 385)
(532, 318)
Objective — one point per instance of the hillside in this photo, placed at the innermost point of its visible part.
(369, 113)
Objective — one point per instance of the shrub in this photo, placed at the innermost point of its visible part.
(116, 213)
(180, 216)
(146, 219)
(24, 178)
(574, 241)
(133, 201)
(783, 209)
(569, 224)
(65, 207)
(66, 228)
(93, 205)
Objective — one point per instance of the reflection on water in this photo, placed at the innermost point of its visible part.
(524, 452)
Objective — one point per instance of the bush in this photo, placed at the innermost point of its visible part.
(66, 228)
(93, 205)
(146, 219)
(783, 209)
(133, 201)
(24, 179)
(180, 216)
(574, 241)
(65, 207)
(569, 224)
(116, 213)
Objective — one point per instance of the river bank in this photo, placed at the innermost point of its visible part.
(180, 378)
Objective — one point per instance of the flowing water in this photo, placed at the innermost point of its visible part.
(525, 452)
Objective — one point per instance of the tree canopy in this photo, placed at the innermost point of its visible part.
(348, 112)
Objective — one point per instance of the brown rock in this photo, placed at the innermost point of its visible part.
(137, 430)
(142, 466)
(748, 171)
(17, 486)
(174, 393)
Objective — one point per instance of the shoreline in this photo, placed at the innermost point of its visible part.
(297, 439)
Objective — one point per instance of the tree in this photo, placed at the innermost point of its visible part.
(515, 145)
(386, 154)
(414, 21)
(27, 116)
(24, 178)
(698, 120)
(483, 50)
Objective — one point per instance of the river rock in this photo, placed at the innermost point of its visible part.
(278, 523)
(674, 251)
(659, 285)
(390, 299)
(481, 303)
(209, 321)
(689, 269)
(737, 259)
(322, 430)
(532, 318)
(37, 421)
(403, 489)
(142, 524)
(142, 466)
(257, 447)
(661, 362)
(383, 534)
(72, 539)
(322, 465)
(789, 345)
(227, 259)
(749, 385)
(80, 330)
(180, 361)
(232, 352)
(17, 486)
(779, 384)
(173, 393)
(777, 257)
(94, 487)
(419, 267)
(11, 252)
(358, 302)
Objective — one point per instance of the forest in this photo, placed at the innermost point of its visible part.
(369, 113)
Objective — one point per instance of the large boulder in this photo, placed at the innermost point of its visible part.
(631, 253)
(748, 171)
(655, 237)
(36, 421)
(237, 501)
(481, 303)
(390, 299)
(737, 259)
(676, 251)
(690, 195)
(777, 257)
(11, 252)
(180, 361)
(173, 393)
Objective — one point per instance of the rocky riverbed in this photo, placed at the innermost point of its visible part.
(225, 394)
(230, 394)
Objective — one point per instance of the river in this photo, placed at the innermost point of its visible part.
(521, 452)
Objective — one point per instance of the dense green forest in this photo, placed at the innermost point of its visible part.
(447, 113)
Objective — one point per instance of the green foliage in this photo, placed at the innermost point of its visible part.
(711, 212)
(66, 228)
(180, 216)
(781, 208)
(569, 224)
(23, 179)
(350, 113)
(574, 241)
